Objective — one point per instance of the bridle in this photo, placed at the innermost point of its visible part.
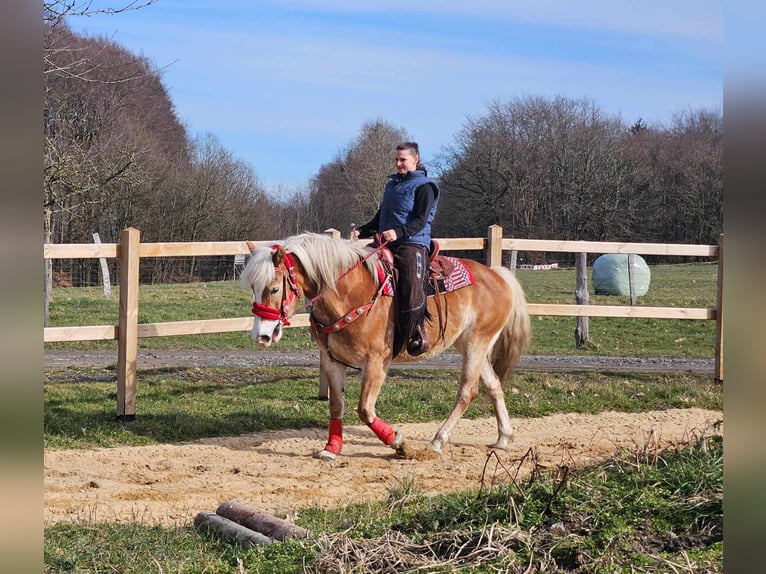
(288, 295)
(324, 330)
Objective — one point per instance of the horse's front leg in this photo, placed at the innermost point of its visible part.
(334, 375)
(373, 376)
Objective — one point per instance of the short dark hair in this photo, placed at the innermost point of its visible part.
(408, 146)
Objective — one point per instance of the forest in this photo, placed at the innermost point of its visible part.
(117, 155)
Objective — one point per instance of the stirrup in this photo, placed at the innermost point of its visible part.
(419, 343)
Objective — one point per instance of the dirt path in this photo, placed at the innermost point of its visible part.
(275, 472)
(153, 358)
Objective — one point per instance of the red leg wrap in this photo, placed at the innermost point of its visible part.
(335, 441)
(383, 430)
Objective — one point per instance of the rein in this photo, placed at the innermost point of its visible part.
(350, 269)
(288, 296)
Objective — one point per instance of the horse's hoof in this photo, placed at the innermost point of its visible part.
(398, 441)
(436, 446)
(502, 443)
(325, 455)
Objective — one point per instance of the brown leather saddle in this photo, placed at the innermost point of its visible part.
(445, 273)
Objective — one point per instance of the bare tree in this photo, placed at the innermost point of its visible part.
(678, 177)
(71, 175)
(349, 188)
(368, 162)
(540, 168)
(490, 167)
(217, 198)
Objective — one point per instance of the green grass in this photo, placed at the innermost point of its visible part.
(181, 404)
(647, 512)
(680, 285)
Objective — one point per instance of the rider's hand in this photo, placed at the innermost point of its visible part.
(389, 235)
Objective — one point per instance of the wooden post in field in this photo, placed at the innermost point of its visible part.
(47, 287)
(104, 270)
(127, 329)
(718, 375)
(514, 259)
(494, 245)
(581, 298)
(631, 278)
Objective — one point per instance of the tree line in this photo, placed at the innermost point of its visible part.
(117, 155)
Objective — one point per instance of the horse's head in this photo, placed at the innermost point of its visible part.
(270, 274)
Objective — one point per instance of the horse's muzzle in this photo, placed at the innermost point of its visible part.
(266, 339)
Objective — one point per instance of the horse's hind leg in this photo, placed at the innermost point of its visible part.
(494, 390)
(466, 393)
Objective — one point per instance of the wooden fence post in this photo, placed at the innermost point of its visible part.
(494, 245)
(514, 258)
(718, 369)
(581, 298)
(332, 232)
(127, 329)
(104, 270)
(631, 278)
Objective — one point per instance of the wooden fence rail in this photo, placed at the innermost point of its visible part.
(130, 251)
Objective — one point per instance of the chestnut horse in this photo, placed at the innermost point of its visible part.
(353, 324)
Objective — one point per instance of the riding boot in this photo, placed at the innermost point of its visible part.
(419, 343)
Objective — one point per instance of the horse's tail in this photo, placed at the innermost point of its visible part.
(517, 331)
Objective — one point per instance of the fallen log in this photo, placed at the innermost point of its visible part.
(261, 521)
(229, 530)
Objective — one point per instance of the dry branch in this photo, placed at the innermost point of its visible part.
(396, 552)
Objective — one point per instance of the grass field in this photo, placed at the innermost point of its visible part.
(680, 285)
(183, 404)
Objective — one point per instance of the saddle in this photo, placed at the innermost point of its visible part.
(445, 274)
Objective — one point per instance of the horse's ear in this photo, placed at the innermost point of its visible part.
(250, 246)
(278, 255)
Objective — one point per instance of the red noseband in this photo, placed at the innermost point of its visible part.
(266, 312)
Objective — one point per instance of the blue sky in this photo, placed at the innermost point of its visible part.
(284, 85)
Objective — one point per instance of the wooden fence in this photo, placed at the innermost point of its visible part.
(130, 251)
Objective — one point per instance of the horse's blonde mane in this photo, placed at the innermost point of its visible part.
(323, 258)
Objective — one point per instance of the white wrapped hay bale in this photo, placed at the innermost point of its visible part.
(610, 275)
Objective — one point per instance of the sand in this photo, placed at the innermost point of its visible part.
(275, 472)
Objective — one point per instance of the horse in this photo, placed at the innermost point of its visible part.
(353, 324)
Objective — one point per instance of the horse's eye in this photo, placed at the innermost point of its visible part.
(274, 290)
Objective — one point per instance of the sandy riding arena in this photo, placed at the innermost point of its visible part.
(169, 484)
